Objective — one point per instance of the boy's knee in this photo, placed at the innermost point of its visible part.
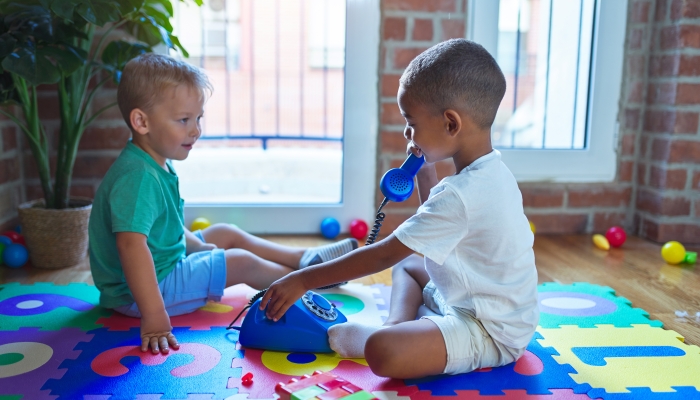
(408, 265)
(379, 354)
(240, 258)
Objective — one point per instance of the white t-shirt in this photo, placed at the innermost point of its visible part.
(477, 245)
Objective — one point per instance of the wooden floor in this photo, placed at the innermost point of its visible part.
(636, 272)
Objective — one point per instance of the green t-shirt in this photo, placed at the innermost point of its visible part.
(136, 195)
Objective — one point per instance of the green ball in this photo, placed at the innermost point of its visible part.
(2, 249)
(690, 257)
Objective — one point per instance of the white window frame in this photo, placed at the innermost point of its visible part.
(598, 161)
(360, 126)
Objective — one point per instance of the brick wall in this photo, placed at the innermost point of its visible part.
(11, 182)
(656, 190)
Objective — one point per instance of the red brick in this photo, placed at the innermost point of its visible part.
(9, 138)
(82, 190)
(664, 232)
(599, 196)
(92, 166)
(48, 107)
(644, 146)
(635, 66)
(103, 100)
(9, 170)
(661, 10)
(603, 221)
(395, 29)
(391, 114)
(658, 204)
(688, 93)
(33, 191)
(632, 117)
(390, 85)
(625, 171)
(689, 36)
(685, 9)
(635, 38)
(97, 138)
(684, 151)
(31, 170)
(669, 37)
(661, 178)
(640, 12)
(641, 174)
(635, 92)
(422, 29)
(559, 223)
(664, 65)
(392, 142)
(452, 28)
(403, 56)
(663, 121)
(540, 197)
(661, 93)
(421, 5)
(696, 180)
(627, 144)
(660, 149)
(697, 208)
(689, 65)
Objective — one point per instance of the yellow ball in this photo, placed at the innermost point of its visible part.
(532, 227)
(601, 242)
(199, 224)
(673, 252)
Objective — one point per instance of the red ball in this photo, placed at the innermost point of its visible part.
(15, 237)
(616, 236)
(358, 229)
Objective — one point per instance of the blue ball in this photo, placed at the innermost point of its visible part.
(330, 228)
(5, 240)
(15, 255)
(18, 229)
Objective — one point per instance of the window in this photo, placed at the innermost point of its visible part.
(281, 127)
(563, 64)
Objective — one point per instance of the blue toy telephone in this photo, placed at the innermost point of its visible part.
(304, 327)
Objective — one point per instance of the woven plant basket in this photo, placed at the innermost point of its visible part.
(56, 238)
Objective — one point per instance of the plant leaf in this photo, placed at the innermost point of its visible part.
(118, 53)
(67, 58)
(36, 70)
(98, 12)
(64, 8)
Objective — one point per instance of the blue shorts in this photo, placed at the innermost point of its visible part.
(196, 279)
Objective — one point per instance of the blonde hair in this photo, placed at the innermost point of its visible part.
(147, 76)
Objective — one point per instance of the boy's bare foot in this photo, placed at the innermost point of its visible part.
(348, 339)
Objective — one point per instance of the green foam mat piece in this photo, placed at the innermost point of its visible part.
(586, 305)
(50, 307)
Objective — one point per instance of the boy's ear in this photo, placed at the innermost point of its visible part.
(139, 121)
(453, 122)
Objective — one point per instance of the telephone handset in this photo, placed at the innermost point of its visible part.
(397, 186)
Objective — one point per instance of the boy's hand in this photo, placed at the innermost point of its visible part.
(411, 148)
(282, 294)
(156, 333)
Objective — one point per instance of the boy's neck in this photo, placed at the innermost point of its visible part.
(475, 145)
(142, 144)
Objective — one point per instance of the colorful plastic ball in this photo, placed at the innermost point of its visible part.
(358, 229)
(330, 228)
(673, 252)
(200, 224)
(14, 236)
(5, 240)
(18, 229)
(15, 255)
(2, 249)
(616, 236)
(532, 227)
(601, 242)
(691, 257)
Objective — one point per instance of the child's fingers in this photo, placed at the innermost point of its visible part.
(154, 345)
(266, 298)
(163, 343)
(144, 343)
(173, 341)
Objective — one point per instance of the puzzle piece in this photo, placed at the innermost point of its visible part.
(557, 394)
(112, 364)
(382, 297)
(370, 314)
(680, 393)
(322, 386)
(620, 371)
(50, 307)
(586, 305)
(221, 314)
(29, 357)
(536, 372)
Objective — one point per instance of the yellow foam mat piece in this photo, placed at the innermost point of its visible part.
(619, 373)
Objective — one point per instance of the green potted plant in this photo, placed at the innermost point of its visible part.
(68, 44)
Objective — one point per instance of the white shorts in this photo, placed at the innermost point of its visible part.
(469, 345)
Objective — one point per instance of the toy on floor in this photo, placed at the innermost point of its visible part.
(5, 240)
(330, 228)
(616, 236)
(15, 255)
(321, 386)
(200, 224)
(14, 237)
(358, 229)
(303, 328)
(532, 227)
(247, 379)
(601, 242)
(674, 253)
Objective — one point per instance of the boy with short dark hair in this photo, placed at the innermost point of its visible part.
(143, 260)
(476, 288)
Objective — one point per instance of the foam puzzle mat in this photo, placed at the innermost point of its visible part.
(57, 343)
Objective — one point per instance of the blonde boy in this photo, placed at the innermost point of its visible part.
(478, 282)
(143, 260)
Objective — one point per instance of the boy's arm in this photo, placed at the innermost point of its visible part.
(193, 244)
(140, 273)
(364, 261)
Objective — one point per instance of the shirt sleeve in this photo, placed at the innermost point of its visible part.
(437, 227)
(136, 201)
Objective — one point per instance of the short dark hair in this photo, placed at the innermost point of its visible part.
(458, 74)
